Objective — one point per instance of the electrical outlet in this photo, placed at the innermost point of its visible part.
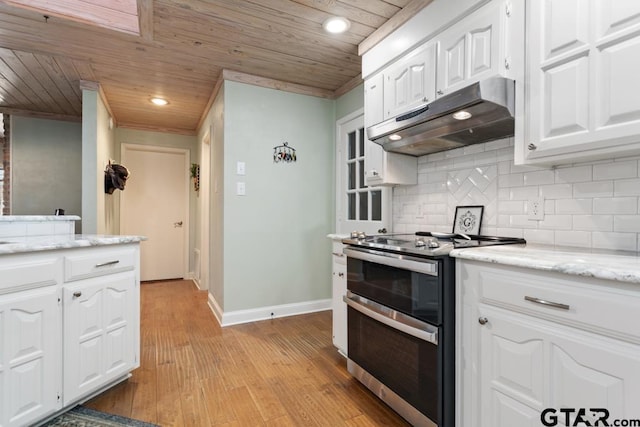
(535, 208)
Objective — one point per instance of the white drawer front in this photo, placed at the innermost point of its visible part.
(21, 273)
(98, 262)
(338, 256)
(599, 306)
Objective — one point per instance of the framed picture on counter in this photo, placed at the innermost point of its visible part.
(468, 219)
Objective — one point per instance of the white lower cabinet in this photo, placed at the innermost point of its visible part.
(520, 365)
(99, 330)
(339, 289)
(62, 341)
(30, 345)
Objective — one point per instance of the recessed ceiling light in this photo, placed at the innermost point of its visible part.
(462, 115)
(159, 101)
(395, 137)
(336, 24)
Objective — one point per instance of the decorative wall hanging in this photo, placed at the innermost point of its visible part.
(284, 153)
(115, 177)
(195, 176)
(468, 219)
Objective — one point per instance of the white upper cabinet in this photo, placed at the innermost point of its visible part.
(474, 48)
(410, 82)
(582, 77)
(381, 167)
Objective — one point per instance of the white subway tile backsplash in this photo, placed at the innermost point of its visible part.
(523, 193)
(511, 207)
(556, 222)
(589, 204)
(556, 191)
(511, 180)
(574, 174)
(627, 223)
(616, 241)
(573, 206)
(593, 222)
(573, 238)
(593, 189)
(627, 187)
(612, 205)
(544, 237)
(615, 170)
(538, 177)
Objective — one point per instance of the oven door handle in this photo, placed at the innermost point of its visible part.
(405, 262)
(392, 318)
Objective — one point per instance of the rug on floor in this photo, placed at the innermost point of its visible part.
(85, 417)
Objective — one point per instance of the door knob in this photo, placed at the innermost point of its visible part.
(177, 224)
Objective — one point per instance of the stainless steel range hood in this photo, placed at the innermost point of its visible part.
(489, 108)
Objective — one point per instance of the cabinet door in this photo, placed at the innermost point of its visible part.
(580, 78)
(411, 82)
(527, 365)
(100, 327)
(472, 49)
(339, 307)
(373, 98)
(30, 336)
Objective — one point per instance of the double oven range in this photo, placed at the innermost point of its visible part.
(401, 319)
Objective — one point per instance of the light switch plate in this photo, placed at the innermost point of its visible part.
(241, 190)
(240, 168)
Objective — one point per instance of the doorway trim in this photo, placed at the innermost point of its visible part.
(205, 207)
(124, 147)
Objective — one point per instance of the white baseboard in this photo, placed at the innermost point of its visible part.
(265, 313)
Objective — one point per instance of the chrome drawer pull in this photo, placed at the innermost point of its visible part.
(337, 254)
(104, 264)
(549, 303)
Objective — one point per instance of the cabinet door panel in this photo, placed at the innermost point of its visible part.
(29, 356)
(103, 348)
(513, 357)
(617, 75)
(373, 100)
(480, 51)
(565, 26)
(614, 16)
(453, 63)
(566, 96)
(509, 412)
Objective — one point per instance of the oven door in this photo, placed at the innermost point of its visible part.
(396, 357)
(405, 283)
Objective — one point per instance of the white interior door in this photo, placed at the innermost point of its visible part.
(155, 204)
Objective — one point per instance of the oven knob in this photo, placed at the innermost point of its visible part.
(361, 235)
(433, 243)
(420, 242)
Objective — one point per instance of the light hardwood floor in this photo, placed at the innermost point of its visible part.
(281, 372)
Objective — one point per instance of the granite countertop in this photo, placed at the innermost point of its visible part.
(338, 237)
(16, 245)
(38, 218)
(600, 264)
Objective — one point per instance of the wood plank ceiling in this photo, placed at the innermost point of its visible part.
(182, 49)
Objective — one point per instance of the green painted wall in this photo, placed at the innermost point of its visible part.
(275, 250)
(350, 102)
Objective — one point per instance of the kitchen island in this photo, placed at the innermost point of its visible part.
(69, 315)
(547, 333)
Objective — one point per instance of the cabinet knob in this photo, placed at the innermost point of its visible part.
(483, 320)
(374, 173)
(532, 147)
(440, 92)
(77, 294)
(341, 274)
